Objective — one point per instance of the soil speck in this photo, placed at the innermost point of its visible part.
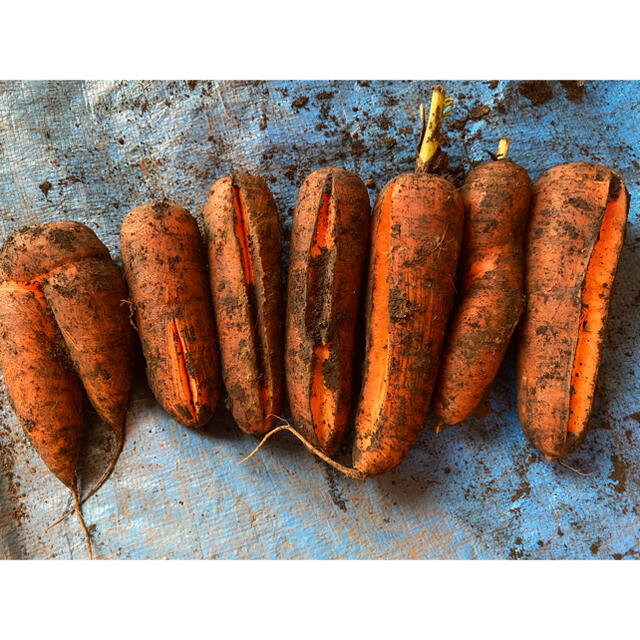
(44, 187)
(536, 91)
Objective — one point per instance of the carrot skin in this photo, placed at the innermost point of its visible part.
(165, 269)
(496, 197)
(45, 395)
(328, 250)
(33, 252)
(244, 248)
(578, 215)
(416, 235)
(85, 299)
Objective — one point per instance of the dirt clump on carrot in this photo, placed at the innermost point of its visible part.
(496, 197)
(244, 247)
(574, 239)
(62, 329)
(165, 267)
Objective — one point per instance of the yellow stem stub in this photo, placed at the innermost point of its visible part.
(503, 148)
(430, 135)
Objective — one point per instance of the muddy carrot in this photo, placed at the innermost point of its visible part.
(244, 247)
(165, 269)
(573, 244)
(496, 198)
(62, 328)
(416, 235)
(329, 239)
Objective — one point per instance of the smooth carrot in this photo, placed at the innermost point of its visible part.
(496, 198)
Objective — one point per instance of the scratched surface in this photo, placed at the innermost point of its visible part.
(91, 151)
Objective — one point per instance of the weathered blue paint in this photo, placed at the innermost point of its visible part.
(478, 491)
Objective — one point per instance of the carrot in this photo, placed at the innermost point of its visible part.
(573, 243)
(416, 234)
(62, 328)
(244, 247)
(417, 230)
(496, 198)
(165, 268)
(328, 249)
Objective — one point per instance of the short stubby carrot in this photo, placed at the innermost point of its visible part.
(416, 235)
(165, 268)
(244, 247)
(496, 198)
(574, 239)
(329, 239)
(62, 328)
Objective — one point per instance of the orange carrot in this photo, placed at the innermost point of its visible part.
(244, 246)
(165, 268)
(574, 240)
(496, 198)
(417, 229)
(328, 248)
(61, 328)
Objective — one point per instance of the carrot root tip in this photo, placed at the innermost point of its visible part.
(98, 483)
(580, 473)
(83, 527)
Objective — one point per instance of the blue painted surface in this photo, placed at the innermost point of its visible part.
(478, 491)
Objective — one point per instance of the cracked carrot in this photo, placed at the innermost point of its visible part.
(573, 244)
(416, 235)
(328, 249)
(165, 267)
(62, 329)
(244, 247)
(496, 198)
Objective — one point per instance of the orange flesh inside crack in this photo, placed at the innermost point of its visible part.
(188, 384)
(241, 230)
(595, 295)
(374, 387)
(322, 400)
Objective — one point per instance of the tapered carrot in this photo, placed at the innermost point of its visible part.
(416, 234)
(60, 319)
(244, 247)
(165, 269)
(328, 248)
(496, 197)
(574, 240)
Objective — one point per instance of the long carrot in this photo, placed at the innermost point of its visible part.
(165, 268)
(496, 197)
(416, 234)
(328, 249)
(574, 240)
(244, 247)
